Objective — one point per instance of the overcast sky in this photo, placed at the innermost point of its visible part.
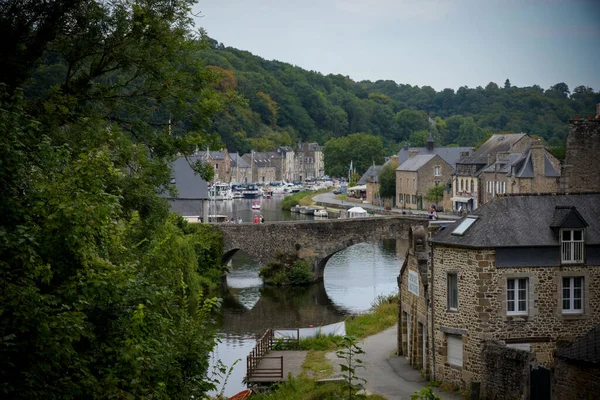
(440, 43)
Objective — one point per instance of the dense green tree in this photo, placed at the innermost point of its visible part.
(100, 286)
(360, 149)
(387, 179)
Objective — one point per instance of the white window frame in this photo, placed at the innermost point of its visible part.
(568, 294)
(437, 171)
(452, 287)
(571, 250)
(455, 358)
(513, 296)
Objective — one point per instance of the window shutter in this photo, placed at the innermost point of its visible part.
(455, 350)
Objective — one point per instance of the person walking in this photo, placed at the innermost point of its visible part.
(262, 219)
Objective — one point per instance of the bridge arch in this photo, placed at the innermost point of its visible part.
(315, 241)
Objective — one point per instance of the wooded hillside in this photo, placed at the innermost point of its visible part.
(288, 104)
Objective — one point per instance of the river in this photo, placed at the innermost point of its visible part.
(353, 279)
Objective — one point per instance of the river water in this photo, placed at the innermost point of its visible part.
(353, 279)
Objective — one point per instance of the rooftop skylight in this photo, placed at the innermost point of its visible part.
(464, 225)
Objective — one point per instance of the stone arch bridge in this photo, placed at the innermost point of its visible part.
(315, 241)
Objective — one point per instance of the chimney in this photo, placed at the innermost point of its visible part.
(412, 153)
(491, 158)
(406, 146)
(430, 142)
(538, 158)
(597, 110)
(395, 159)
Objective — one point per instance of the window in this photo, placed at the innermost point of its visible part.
(452, 291)
(414, 199)
(216, 166)
(400, 198)
(572, 295)
(572, 246)
(437, 183)
(455, 350)
(472, 186)
(464, 225)
(503, 187)
(407, 198)
(489, 186)
(437, 170)
(516, 296)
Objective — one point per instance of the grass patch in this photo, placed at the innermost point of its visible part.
(305, 388)
(316, 365)
(384, 315)
(341, 197)
(300, 198)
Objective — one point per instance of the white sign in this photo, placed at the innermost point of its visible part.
(413, 282)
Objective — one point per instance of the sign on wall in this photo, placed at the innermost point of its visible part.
(413, 282)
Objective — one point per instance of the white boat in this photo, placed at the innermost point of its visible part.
(321, 213)
(307, 210)
(256, 204)
(296, 208)
(220, 191)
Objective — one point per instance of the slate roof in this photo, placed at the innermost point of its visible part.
(372, 174)
(189, 185)
(524, 221)
(261, 160)
(585, 349)
(495, 144)
(237, 161)
(450, 154)
(523, 166)
(415, 162)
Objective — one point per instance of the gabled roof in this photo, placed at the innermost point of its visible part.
(237, 161)
(189, 185)
(495, 144)
(449, 154)
(372, 175)
(586, 348)
(524, 221)
(505, 166)
(567, 217)
(261, 160)
(415, 162)
(216, 155)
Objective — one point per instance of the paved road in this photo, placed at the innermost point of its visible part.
(386, 374)
(329, 198)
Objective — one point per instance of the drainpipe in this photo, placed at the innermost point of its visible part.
(433, 364)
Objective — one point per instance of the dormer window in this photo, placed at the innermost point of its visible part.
(571, 246)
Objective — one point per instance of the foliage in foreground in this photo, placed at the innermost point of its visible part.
(100, 287)
(348, 351)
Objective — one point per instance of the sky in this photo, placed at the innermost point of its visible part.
(438, 43)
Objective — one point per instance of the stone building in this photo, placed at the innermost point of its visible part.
(522, 271)
(418, 174)
(449, 154)
(263, 167)
(370, 180)
(413, 313)
(240, 169)
(533, 171)
(221, 163)
(308, 162)
(583, 145)
(288, 155)
(466, 185)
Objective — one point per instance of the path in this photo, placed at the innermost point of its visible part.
(386, 374)
(329, 198)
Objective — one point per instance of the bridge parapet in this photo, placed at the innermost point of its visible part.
(315, 241)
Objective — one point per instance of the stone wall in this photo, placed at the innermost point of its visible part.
(572, 380)
(583, 145)
(505, 373)
(406, 184)
(426, 178)
(413, 311)
(482, 312)
(315, 241)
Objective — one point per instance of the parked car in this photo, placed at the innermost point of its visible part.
(337, 191)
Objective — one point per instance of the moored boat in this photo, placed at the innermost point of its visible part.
(251, 192)
(321, 213)
(243, 395)
(256, 204)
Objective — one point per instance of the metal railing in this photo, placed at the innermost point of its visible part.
(263, 346)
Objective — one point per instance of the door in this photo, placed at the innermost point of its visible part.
(540, 384)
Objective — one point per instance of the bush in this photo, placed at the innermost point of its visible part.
(288, 270)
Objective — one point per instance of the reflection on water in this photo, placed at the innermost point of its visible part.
(270, 210)
(356, 276)
(353, 278)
